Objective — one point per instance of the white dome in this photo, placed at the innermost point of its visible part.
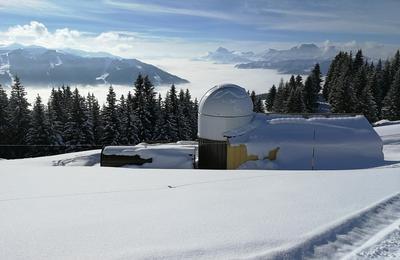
(226, 100)
(223, 108)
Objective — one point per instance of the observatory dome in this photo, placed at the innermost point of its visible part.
(223, 108)
(226, 100)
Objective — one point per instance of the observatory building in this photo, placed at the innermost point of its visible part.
(232, 136)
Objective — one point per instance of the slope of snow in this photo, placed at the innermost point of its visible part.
(93, 212)
(86, 158)
(49, 212)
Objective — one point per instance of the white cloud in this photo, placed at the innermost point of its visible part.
(121, 43)
(136, 45)
(154, 8)
(34, 30)
(297, 12)
(26, 4)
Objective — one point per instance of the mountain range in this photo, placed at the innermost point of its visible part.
(296, 60)
(36, 65)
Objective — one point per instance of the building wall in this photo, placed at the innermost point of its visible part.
(212, 154)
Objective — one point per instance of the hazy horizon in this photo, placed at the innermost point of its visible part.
(188, 29)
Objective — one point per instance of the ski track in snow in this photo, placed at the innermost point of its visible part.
(362, 236)
(385, 244)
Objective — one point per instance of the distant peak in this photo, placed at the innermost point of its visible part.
(308, 46)
(222, 49)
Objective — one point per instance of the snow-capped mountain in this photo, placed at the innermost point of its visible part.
(223, 55)
(37, 65)
(301, 52)
(297, 60)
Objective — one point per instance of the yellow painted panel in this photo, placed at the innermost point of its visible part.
(237, 155)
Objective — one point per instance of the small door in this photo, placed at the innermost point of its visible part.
(212, 154)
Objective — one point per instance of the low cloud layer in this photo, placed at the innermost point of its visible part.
(120, 43)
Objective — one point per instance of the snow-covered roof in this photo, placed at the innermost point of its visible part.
(226, 100)
(337, 142)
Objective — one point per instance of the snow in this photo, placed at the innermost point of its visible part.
(178, 155)
(313, 143)
(103, 77)
(80, 212)
(385, 243)
(157, 78)
(226, 100)
(86, 158)
(5, 68)
(385, 122)
(5, 65)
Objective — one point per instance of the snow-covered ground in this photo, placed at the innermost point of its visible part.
(80, 212)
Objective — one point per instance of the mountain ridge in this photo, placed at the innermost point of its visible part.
(37, 65)
(296, 60)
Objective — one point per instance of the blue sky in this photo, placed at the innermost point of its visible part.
(191, 27)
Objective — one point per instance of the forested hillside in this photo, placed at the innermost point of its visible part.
(352, 85)
(71, 122)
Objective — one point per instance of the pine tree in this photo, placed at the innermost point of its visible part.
(191, 115)
(359, 83)
(19, 114)
(316, 77)
(131, 122)
(195, 109)
(259, 106)
(387, 79)
(111, 128)
(299, 82)
(292, 84)
(309, 97)
(367, 105)
(171, 116)
(391, 108)
(257, 103)
(374, 88)
(253, 99)
(279, 102)
(140, 109)
(269, 102)
(78, 130)
(358, 61)
(149, 116)
(39, 134)
(333, 73)
(122, 117)
(95, 118)
(57, 115)
(376, 78)
(341, 94)
(158, 129)
(66, 101)
(311, 90)
(395, 64)
(183, 116)
(4, 117)
(295, 101)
